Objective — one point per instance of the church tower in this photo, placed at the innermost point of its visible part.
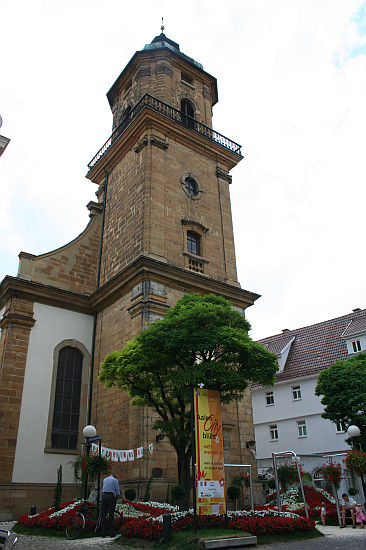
(163, 176)
(161, 227)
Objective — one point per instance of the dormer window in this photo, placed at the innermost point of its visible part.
(356, 346)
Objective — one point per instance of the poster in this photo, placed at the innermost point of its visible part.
(210, 469)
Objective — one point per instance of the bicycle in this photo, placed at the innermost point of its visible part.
(79, 521)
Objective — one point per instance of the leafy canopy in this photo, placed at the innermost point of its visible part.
(343, 387)
(201, 341)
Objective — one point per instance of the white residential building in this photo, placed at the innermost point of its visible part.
(287, 416)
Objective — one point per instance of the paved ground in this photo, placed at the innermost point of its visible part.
(334, 539)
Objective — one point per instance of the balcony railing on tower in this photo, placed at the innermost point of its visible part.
(150, 102)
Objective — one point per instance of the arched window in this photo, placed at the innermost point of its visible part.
(193, 243)
(66, 410)
(187, 111)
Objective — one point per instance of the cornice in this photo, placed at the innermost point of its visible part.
(15, 287)
(143, 268)
(152, 120)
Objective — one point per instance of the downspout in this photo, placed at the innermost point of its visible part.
(95, 314)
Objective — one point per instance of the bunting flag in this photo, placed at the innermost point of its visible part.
(95, 449)
(123, 456)
(120, 455)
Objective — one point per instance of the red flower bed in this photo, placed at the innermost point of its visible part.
(152, 530)
(43, 519)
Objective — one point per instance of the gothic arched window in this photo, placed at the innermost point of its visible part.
(66, 410)
(193, 243)
(187, 111)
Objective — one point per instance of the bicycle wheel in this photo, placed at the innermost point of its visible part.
(75, 526)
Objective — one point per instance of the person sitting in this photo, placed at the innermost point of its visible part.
(348, 504)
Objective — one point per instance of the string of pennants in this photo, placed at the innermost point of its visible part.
(123, 456)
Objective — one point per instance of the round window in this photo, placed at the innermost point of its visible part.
(191, 186)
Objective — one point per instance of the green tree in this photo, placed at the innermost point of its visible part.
(343, 387)
(202, 340)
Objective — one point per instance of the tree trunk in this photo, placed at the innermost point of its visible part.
(184, 473)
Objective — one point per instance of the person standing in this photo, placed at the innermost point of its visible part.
(109, 498)
(323, 513)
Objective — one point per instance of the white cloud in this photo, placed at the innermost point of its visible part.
(291, 89)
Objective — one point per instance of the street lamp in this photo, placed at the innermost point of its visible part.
(354, 431)
(88, 431)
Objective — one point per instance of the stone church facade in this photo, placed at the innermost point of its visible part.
(161, 227)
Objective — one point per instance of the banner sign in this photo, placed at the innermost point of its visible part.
(210, 469)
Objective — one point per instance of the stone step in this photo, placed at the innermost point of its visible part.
(233, 542)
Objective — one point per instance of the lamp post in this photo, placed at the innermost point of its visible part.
(354, 432)
(88, 432)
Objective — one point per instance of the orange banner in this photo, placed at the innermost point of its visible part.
(210, 472)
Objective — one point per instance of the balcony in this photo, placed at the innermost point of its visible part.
(150, 102)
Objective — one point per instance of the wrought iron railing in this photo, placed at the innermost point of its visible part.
(150, 102)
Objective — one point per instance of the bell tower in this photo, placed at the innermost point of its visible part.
(163, 177)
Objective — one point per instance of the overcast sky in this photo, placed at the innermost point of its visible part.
(292, 90)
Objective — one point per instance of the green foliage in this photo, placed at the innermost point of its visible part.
(343, 387)
(352, 491)
(233, 492)
(287, 475)
(202, 340)
(90, 465)
(58, 489)
(148, 489)
(178, 493)
(130, 494)
(356, 461)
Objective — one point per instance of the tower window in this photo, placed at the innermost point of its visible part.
(65, 426)
(187, 113)
(193, 243)
(187, 79)
(191, 186)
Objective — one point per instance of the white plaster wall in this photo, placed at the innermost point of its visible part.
(322, 436)
(284, 404)
(32, 464)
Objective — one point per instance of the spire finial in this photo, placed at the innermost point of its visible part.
(162, 24)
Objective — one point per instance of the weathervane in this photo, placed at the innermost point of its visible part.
(162, 24)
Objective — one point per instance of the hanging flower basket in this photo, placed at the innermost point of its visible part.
(356, 461)
(90, 465)
(333, 473)
(287, 474)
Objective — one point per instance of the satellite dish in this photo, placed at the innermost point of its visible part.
(1, 121)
